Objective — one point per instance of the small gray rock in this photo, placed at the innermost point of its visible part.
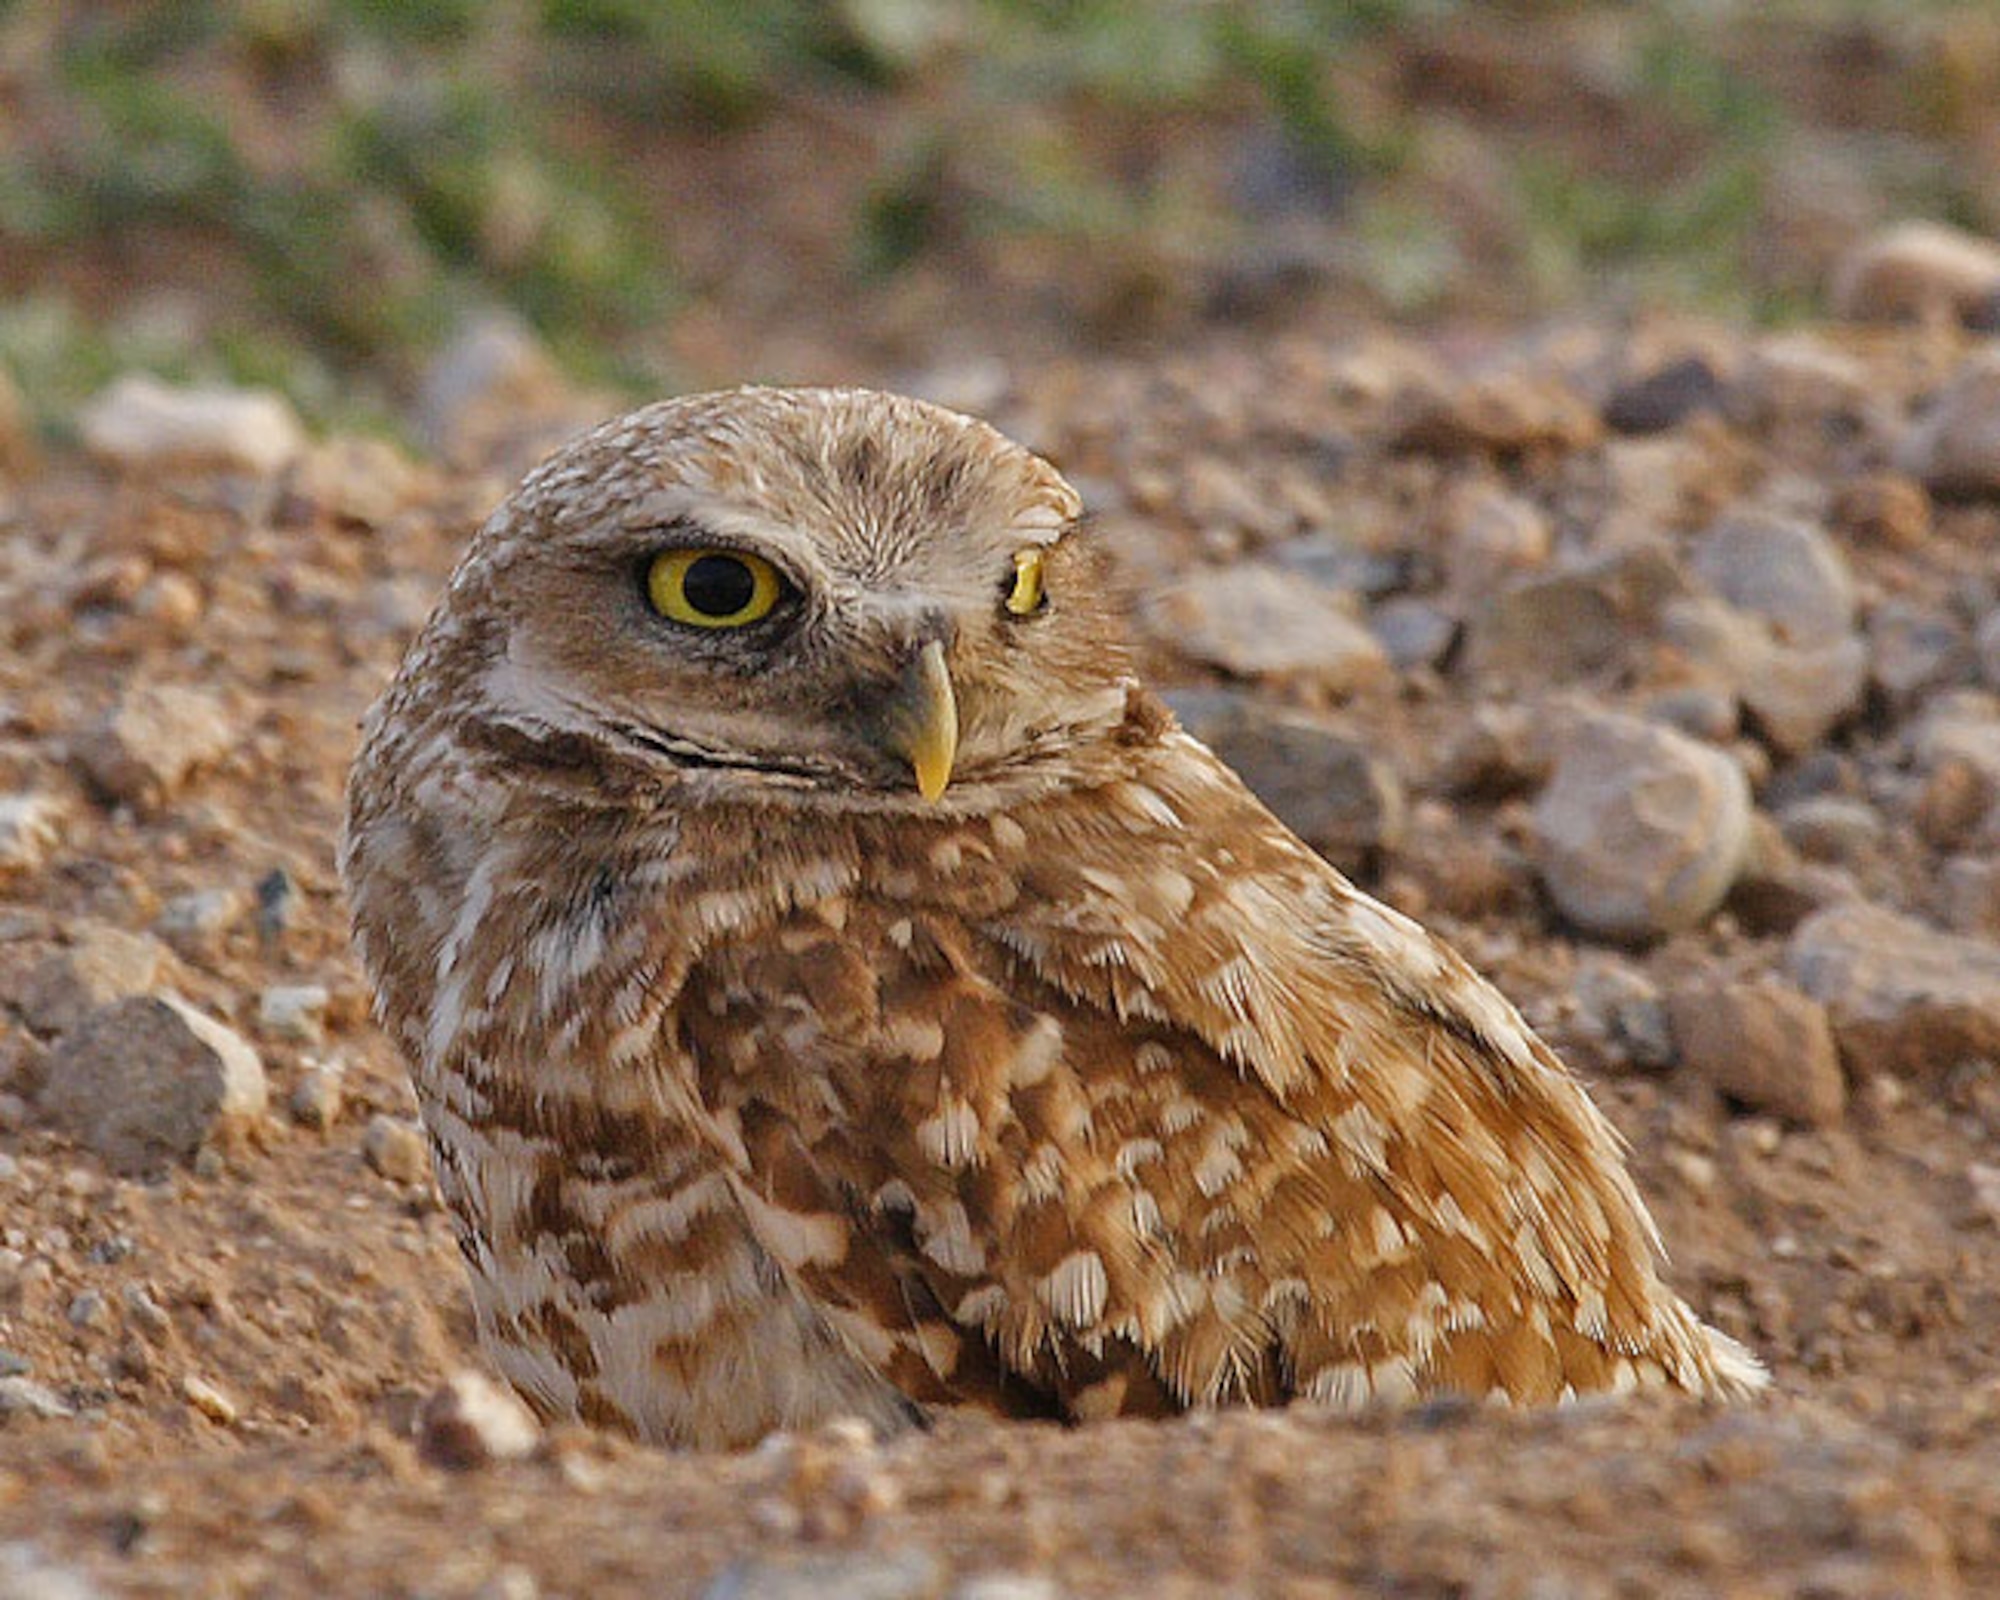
(1904, 998)
(1415, 633)
(1783, 570)
(316, 1097)
(1912, 650)
(1623, 1008)
(25, 1397)
(1829, 827)
(1765, 1046)
(295, 1011)
(1327, 788)
(141, 423)
(1796, 695)
(30, 827)
(1955, 446)
(100, 964)
(395, 1148)
(150, 1079)
(894, 1575)
(144, 750)
(1640, 831)
(1495, 536)
(1565, 625)
(1253, 621)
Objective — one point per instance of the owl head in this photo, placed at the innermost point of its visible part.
(772, 593)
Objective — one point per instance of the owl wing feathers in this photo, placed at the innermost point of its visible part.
(1115, 1120)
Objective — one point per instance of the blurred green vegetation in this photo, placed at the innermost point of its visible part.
(314, 192)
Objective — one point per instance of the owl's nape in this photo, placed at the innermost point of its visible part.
(834, 987)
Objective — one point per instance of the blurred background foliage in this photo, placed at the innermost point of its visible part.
(316, 193)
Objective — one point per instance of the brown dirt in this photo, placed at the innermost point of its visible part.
(324, 1301)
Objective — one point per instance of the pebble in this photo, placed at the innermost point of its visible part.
(193, 923)
(1913, 650)
(1795, 695)
(316, 1097)
(150, 1079)
(144, 1312)
(99, 965)
(1831, 827)
(1664, 397)
(469, 1421)
(395, 1148)
(1956, 798)
(1505, 411)
(1919, 271)
(1413, 633)
(1971, 892)
(88, 1310)
(276, 897)
(1335, 562)
(1886, 508)
(209, 1400)
(1494, 536)
(1005, 1586)
(27, 1574)
(906, 1574)
(1904, 997)
(144, 750)
(1255, 621)
(1960, 727)
(1700, 712)
(1765, 1046)
(1796, 384)
(1781, 569)
(1624, 1008)
(30, 827)
(21, 1396)
(352, 479)
(1641, 831)
(1326, 787)
(1567, 624)
(140, 423)
(1954, 447)
(294, 1011)
(1499, 752)
(1986, 642)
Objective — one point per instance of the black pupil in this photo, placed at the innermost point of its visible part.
(718, 586)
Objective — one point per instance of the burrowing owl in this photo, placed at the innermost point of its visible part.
(835, 986)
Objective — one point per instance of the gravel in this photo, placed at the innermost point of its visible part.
(1641, 831)
(150, 1079)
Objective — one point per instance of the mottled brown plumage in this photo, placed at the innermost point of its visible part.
(765, 1090)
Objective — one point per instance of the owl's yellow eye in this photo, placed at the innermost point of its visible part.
(1026, 596)
(712, 588)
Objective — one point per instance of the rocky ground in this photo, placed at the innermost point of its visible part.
(1656, 665)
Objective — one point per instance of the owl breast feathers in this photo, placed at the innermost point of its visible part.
(835, 987)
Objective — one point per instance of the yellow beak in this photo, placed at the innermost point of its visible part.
(923, 723)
